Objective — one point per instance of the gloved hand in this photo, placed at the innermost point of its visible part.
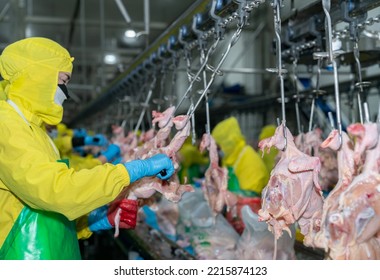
(112, 152)
(159, 165)
(80, 150)
(117, 160)
(97, 140)
(80, 132)
(103, 218)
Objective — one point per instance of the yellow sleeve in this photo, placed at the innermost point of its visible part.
(64, 144)
(78, 162)
(29, 169)
(83, 232)
(251, 171)
(191, 155)
(270, 158)
(3, 84)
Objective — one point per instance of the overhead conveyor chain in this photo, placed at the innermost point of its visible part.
(209, 17)
(301, 30)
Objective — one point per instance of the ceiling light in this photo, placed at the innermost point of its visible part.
(130, 33)
(110, 59)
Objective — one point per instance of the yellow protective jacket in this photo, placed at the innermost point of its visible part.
(29, 171)
(190, 157)
(64, 144)
(247, 164)
(269, 158)
(3, 84)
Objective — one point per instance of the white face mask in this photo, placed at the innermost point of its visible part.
(59, 96)
(53, 133)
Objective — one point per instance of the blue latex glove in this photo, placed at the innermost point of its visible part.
(159, 165)
(80, 132)
(97, 220)
(97, 140)
(80, 150)
(117, 160)
(112, 152)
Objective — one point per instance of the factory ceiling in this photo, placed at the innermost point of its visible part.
(94, 32)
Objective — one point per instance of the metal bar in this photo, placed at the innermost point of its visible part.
(326, 8)
(4, 10)
(123, 11)
(143, 110)
(157, 25)
(147, 21)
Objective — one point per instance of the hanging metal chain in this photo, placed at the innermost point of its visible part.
(279, 70)
(196, 76)
(146, 104)
(326, 8)
(344, 33)
(235, 37)
(317, 92)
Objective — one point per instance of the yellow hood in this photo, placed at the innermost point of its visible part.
(228, 136)
(267, 131)
(3, 85)
(31, 67)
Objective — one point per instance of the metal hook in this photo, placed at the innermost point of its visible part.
(219, 26)
(233, 40)
(326, 8)
(366, 112)
(317, 91)
(146, 104)
(297, 97)
(210, 51)
(276, 4)
(331, 119)
(197, 21)
(360, 84)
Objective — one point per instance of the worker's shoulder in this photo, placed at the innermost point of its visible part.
(250, 150)
(252, 154)
(8, 114)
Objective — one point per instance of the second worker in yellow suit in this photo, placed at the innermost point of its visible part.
(241, 159)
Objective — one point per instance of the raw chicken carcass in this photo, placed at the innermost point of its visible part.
(147, 135)
(257, 243)
(160, 138)
(162, 118)
(293, 193)
(309, 142)
(215, 183)
(327, 236)
(170, 189)
(357, 220)
(329, 174)
(366, 137)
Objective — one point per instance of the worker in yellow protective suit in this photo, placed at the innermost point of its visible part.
(67, 142)
(2, 90)
(248, 174)
(46, 205)
(193, 162)
(269, 158)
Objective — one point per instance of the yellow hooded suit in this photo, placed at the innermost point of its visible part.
(247, 165)
(40, 196)
(269, 158)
